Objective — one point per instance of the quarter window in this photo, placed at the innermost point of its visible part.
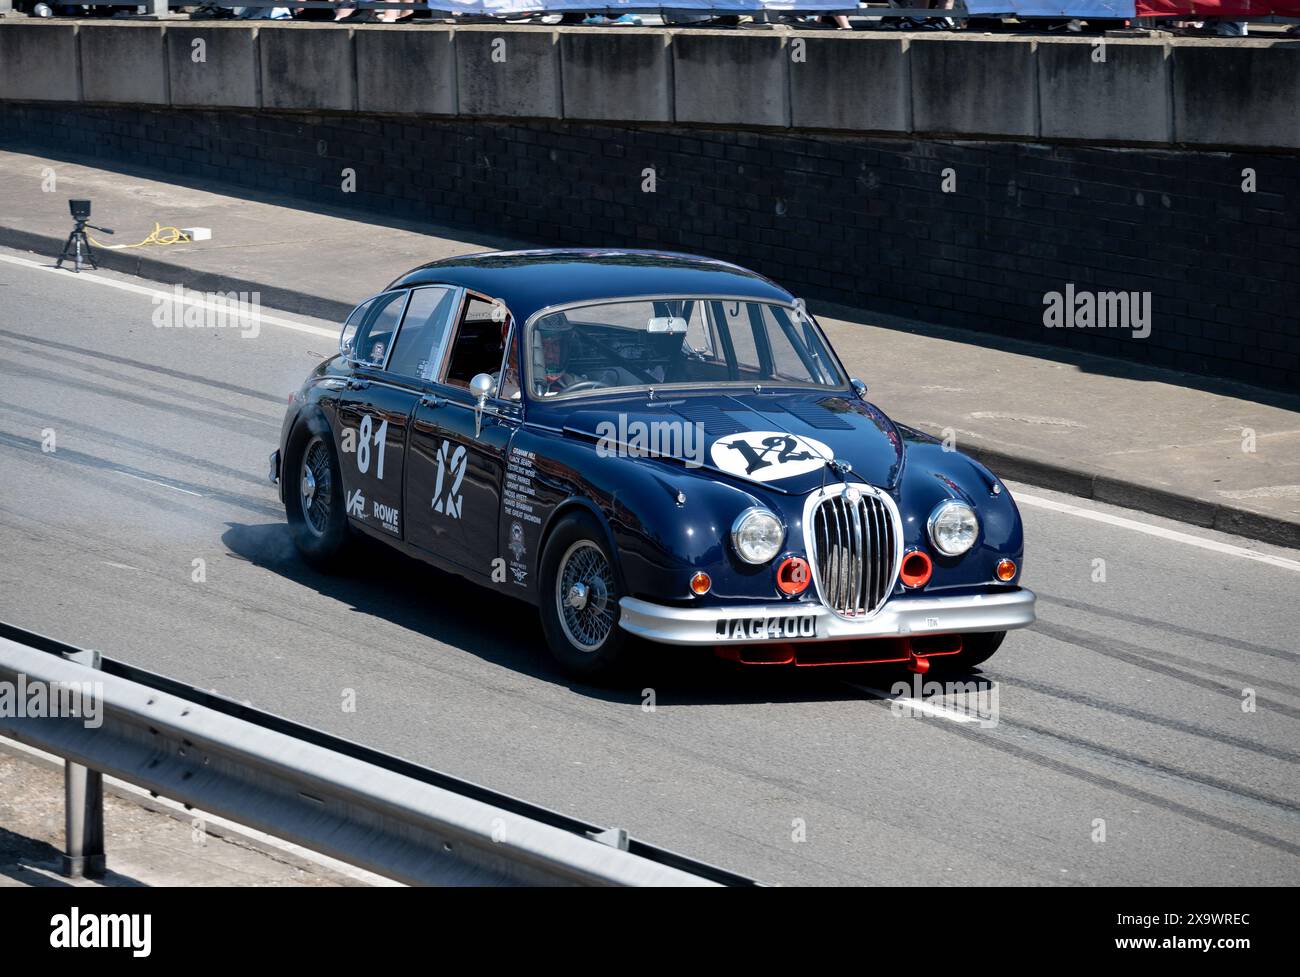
(347, 338)
(428, 316)
(378, 327)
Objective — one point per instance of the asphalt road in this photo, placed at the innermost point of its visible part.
(1119, 715)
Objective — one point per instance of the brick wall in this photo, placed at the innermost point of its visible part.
(861, 221)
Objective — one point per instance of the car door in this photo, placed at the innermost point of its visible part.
(396, 347)
(457, 460)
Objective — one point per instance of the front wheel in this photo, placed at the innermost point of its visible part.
(313, 499)
(579, 600)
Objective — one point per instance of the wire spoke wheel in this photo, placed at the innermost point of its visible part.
(584, 595)
(315, 486)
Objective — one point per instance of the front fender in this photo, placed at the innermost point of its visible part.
(665, 521)
(934, 474)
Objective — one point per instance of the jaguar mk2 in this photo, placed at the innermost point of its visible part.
(649, 448)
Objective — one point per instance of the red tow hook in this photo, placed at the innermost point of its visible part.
(918, 664)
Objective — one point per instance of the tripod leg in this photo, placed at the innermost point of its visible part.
(67, 250)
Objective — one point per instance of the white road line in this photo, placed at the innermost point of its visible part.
(154, 481)
(156, 293)
(1171, 534)
(916, 705)
(118, 566)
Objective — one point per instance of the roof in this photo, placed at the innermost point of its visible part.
(527, 281)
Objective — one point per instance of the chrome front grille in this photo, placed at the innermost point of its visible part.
(852, 535)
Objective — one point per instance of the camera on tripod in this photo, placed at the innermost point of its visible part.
(77, 249)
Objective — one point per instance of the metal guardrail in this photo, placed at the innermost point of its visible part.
(327, 794)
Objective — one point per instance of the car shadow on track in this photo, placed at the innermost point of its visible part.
(506, 632)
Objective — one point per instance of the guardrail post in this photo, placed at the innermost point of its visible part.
(83, 799)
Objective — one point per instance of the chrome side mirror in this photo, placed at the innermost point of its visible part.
(481, 387)
(859, 388)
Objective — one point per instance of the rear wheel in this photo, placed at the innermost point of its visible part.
(579, 600)
(313, 499)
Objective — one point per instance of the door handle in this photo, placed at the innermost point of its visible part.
(358, 384)
(431, 400)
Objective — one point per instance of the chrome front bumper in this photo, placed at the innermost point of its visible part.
(899, 617)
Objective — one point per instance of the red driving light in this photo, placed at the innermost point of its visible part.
(700, 584)
(793, 576)
(916, 569)
(1006, 569)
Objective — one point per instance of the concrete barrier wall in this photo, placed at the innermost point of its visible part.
(123, 63)
(39, 62)
(966, 233)
(213, 66)
(1234, 94)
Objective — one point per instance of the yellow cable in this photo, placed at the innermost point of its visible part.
(160, 235)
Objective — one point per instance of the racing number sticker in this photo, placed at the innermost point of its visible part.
(766, 456)
(366, 436)
(454, 462)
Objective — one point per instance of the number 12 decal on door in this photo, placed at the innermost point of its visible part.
(451, 461)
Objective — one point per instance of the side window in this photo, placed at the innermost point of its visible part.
(428, 316)
(788, 361)
(348, 336)
(477, 347)
(378, 327)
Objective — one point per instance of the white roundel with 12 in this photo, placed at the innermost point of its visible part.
(766, 456)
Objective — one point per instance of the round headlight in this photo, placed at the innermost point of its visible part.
(953, 527)
(757, 535)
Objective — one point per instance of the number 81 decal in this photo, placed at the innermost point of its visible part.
(361, 440)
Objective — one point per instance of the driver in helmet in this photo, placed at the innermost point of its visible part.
(551, 355)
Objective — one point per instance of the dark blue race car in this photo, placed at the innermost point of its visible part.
(651, 446)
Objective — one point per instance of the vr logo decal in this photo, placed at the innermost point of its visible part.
(356, 504)
(766, 456)
(454, 462)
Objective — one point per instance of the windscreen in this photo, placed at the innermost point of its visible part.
(676, 342)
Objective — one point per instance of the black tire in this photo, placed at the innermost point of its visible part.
(318, 522)
(976, 649)
(576, 553)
